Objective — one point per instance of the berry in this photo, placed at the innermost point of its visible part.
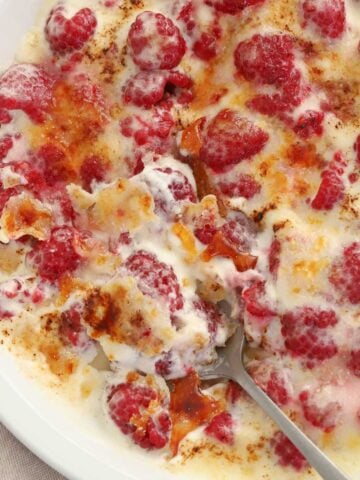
(213, 317)
(331, 191)
(266, 59)
(155, 42)
(309, 124)
(148, 88)
(327, 15)
(237, 234)
(163, 366)
(245, 186)
(255, 301)
(58, 197)
(357, 148)
(155, 278)
(5, 117)
(232, 6)
(221, 428)
(56, 256)
(71, 329)
(6, 144)
(26, 87)
(288, 454)
(229, 139)
(345, 274)
(274, 257)
(6, 194)
(68, 34)
(206, 233)
(92, 169)
(354, 362)
(273, 381)
(233, 392)
(205, 46)
(54, 164)
(306, 335)
(325, 416)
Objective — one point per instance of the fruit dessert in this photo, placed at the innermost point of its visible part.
(168, 171)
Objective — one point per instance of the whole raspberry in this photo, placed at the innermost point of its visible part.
(266, 59)
(306, 335)
(327, 15)
(288, 454)
(213, 317)
(155, 42)
(229, 139)
(324, 415)
(232, 6)
(345, 274)
(54, 164)
(155, 278)
(256, 302)
(331, 189)
(244, 186)
(92, 169)
(221, 428)
(68, 34)
(5, 117)
(26, 87)
(56, 256)
(205, 233)
(205, 46)
(237, 233)
(309, 124)
(6, 144)
(72, 331)
(272, 380)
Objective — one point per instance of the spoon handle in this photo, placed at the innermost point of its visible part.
(322, 464)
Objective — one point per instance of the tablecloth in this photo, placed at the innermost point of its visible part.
(18, 463)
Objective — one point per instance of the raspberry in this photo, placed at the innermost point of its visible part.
(265, 59)
(327, 15)
(237, 234)
(213, 316)
(206, 233)
(221, 428)
(331, 191)
(232, 6)
(71, 329)
(354, 362)
(229, 139)
(148, 88)
(6, 194)
(205, 47)
(54, 164)
(164, 365)
(68, 34)
(92, 169)
(255, 301)
(129, 407)
(155, 42)
(324, 417)
(273, 381)
(6, 144)
(357, 149)
(345, 274)
(5, 117)
(56, 256)
(60, 202)
(309, 124)
(155, 278)
(288, 454)
(244, 186)
(274, 257)
(234, 392)
(305, 333)
(26, 87)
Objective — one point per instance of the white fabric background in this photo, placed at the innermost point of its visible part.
(17, 463)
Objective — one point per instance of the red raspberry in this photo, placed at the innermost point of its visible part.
(33, 175)
(237, 234)
(179, 186)
(274, 257)
(288, 454)
(266, 59)
(232, 6)
(148, 88)
(221, 428)
(331, 191)
(274, 382)
(327, 15)
(354, 362)
(128, 403)
(255, 301)
(56, 256)
(26, 87)
(54, 164)
(205, 46)
(309, 124)
(68, 34)
(92, 169)
(155, 42)
(213, 316)
(6, 194)
(155, 278)
(357, 149)
(5, 117)
(234, 392)
(164, 365)
(305, 334)
(206, 233)
(244, 186)
(71, 329)
(345, 274)
(186, 15)
(6, 144)
(229, 139)
(325, 416)
(60, 202)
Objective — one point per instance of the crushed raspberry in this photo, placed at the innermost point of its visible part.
(354, 362)
(206, 233)
(129, 407)
(236, 232)
(289, 455)
(92, 169)
(233, 392)
(274, 257)
(68, 34)
(71, 329)
(155, 278)
(155, 42)
(56, 256)
(273, 382)
(345, 274)
(232, 6)
(221, 428)
(255, 301)
(229, 139)
(5, 117)
(327, 15)
(309, 124)
(244, 186)
(6, 144)
(331, 189)
(26, 87)
(305, 332)
(325, 416)
(266, 59)
(357, 149)
(148, 88)
(213, 316)
(205, 47)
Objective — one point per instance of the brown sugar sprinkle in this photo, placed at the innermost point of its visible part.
(342, 95)
(304, 155)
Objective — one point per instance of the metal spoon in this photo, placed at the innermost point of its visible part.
(231, 366)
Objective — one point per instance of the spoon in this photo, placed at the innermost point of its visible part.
(231, 366)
